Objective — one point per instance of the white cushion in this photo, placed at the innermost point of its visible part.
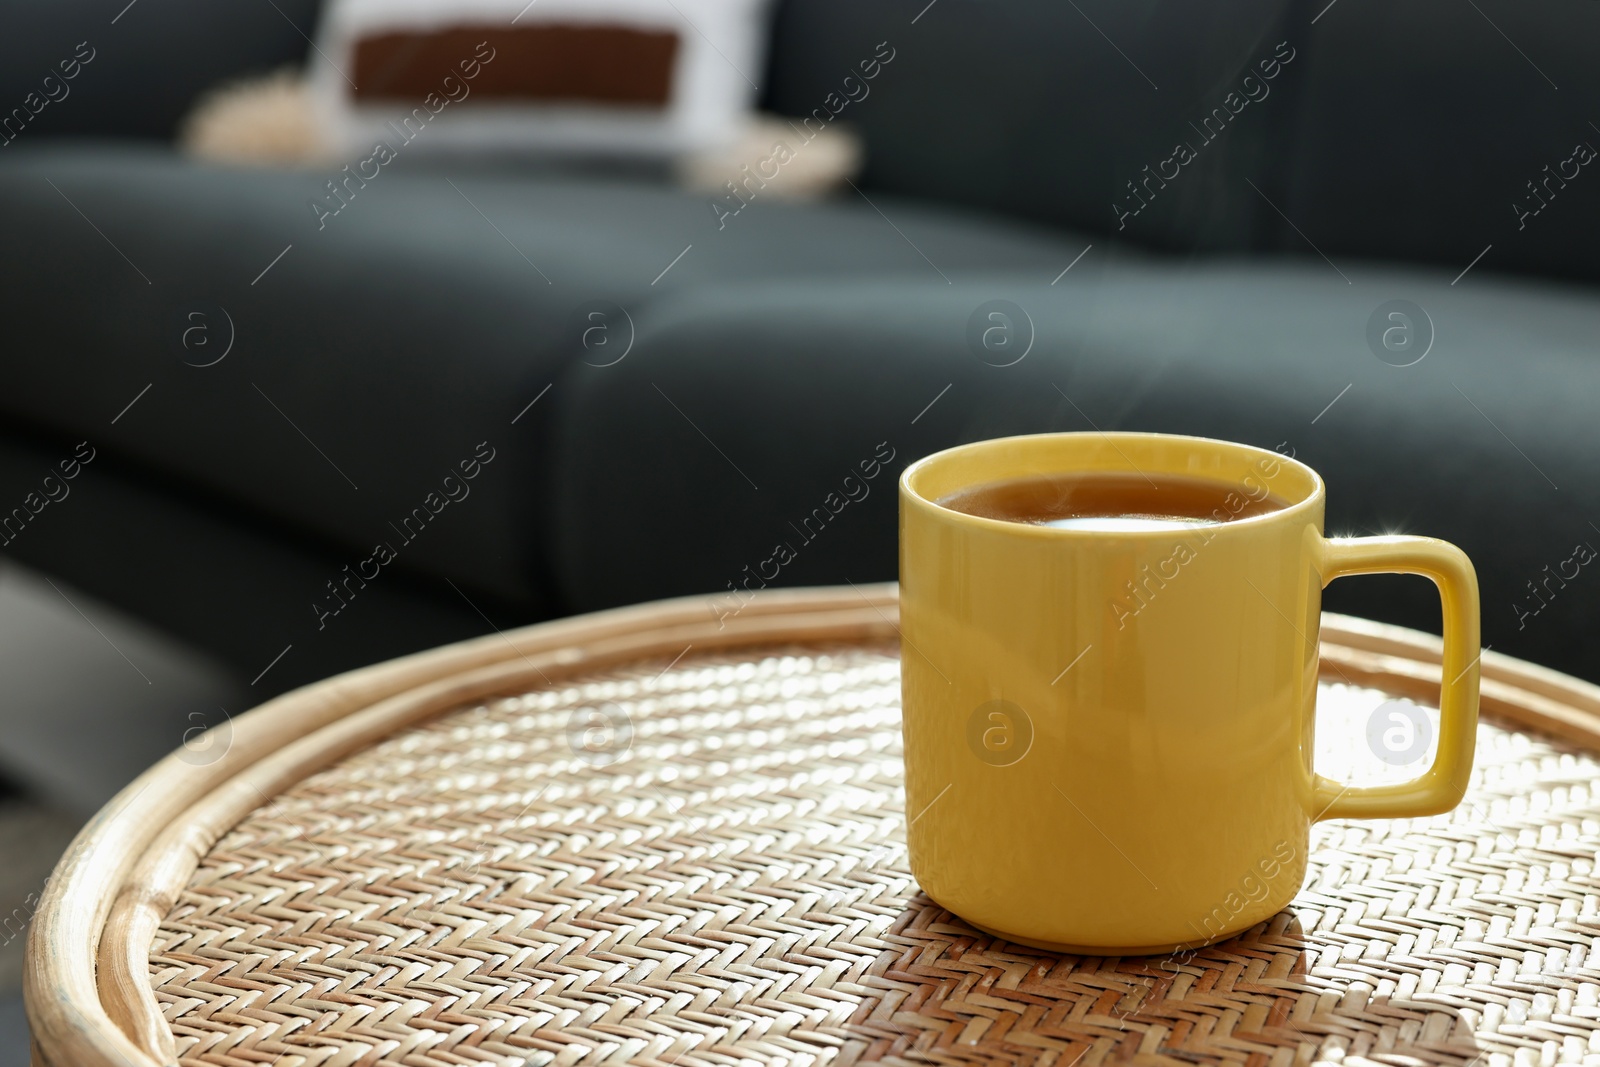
(721, 49)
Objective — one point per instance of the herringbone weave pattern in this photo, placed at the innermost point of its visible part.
(704, 865)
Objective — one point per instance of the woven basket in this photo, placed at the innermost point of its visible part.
(642, 837)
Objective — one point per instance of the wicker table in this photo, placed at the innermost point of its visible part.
(647, 836)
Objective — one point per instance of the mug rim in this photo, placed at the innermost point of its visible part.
(1310, 502)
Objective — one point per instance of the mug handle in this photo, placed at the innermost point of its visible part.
(1441, 787)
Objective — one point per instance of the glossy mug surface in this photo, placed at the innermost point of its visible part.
(1108, 735)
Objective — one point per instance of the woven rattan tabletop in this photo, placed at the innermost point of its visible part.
(645, 838)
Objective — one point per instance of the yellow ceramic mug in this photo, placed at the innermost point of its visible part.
(1108, 736)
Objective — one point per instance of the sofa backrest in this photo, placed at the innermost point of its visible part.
(147, 61)
(1399, 131)
(1422, 124)
(1072, 113)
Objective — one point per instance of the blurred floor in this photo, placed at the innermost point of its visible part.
(88, 699)
(32, 837)
(91, 697)
(14, 1028)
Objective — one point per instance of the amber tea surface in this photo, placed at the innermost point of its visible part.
(1111, 502)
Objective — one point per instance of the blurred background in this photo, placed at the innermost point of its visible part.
(335, 331)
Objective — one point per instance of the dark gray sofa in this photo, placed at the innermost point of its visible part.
(1231, 298)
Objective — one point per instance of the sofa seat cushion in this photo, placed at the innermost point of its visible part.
(733, 448)
(382, 351)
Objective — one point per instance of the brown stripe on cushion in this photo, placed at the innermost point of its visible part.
(579, 63)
